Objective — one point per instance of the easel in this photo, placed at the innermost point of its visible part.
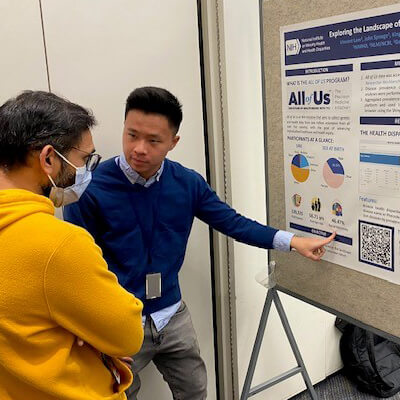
(272, 296)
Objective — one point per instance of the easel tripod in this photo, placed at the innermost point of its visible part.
(272, 296)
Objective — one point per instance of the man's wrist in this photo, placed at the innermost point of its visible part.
(293, 243)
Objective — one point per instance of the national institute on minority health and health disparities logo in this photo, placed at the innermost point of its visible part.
(292, 47)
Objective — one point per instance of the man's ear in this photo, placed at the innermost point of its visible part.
(47, 159)
(175, 141)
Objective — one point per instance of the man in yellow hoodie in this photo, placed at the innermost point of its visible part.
(65, 322)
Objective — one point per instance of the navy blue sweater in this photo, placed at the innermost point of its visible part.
(145, 230)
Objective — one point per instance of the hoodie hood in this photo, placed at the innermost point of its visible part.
(16, 204)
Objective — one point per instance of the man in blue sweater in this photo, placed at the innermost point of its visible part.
(140, 208)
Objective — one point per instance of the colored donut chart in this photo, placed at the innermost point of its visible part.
(300, 168)
(333, 173)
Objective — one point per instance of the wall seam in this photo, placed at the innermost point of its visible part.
(44, 46)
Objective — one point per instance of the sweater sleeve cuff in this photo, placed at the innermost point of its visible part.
(282, 240)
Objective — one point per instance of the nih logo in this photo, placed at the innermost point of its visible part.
(293, 47)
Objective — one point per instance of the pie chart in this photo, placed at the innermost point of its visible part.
(300, 168)
(333, 173)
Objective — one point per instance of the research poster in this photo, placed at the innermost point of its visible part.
(341, 127)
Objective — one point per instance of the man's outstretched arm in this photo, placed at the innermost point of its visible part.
(225, 219)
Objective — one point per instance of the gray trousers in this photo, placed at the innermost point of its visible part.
(175, 352)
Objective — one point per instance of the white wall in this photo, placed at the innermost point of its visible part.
(98, 51)
(22, 64)
(312, 327)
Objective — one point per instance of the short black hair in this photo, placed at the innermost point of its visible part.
(35, 119)
(155, 100)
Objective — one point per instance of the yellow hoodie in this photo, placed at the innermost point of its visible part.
(55, 287)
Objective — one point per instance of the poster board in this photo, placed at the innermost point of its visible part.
(322, 144)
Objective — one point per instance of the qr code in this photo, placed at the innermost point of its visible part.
(376, 244)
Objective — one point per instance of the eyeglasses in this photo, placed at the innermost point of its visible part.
(92, 161)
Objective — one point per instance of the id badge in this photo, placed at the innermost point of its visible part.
(153, 286)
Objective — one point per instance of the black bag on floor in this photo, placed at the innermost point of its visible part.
(370, 361)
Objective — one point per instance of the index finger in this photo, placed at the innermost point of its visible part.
(328, 239)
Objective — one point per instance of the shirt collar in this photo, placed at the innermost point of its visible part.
(133, 176)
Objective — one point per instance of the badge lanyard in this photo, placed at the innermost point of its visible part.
(149, 243)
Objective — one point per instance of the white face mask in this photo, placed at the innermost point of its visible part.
(71, 194)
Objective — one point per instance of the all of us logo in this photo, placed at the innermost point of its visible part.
(317, 97)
